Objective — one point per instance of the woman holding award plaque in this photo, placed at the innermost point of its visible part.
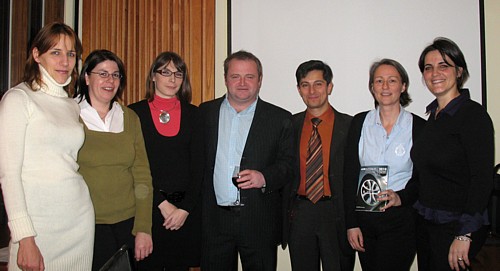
(169, 121)
(377, 157)
(453, 161)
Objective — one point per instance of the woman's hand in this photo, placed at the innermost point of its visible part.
(355, 238)
(176, 219)
(166, 209)
(143, 245)
(29, 256)
(458, 257)
(391, 197)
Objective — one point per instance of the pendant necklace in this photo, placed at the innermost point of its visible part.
(164, 116)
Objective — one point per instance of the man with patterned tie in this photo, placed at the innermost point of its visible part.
(314, 228)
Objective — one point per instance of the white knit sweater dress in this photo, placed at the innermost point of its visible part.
(45, 196)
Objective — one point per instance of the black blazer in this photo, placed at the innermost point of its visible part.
(335, 176)
(268, 149)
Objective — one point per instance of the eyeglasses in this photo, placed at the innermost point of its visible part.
(115, 75)
(168, 73)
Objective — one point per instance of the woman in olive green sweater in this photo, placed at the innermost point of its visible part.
(113, 160)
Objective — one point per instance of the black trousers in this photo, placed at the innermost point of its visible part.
(389, 239)
(313, 237)
(109, 238)
(221, 248)
(434, 241)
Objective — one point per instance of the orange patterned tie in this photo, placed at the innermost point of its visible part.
(314, 165)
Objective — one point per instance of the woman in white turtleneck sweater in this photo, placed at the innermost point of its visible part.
(51, 217)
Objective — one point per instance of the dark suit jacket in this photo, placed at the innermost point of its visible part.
(268, 149)
(335, 175)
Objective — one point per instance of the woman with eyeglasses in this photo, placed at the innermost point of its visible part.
(50, 213)
(113, 160)
(168, 124)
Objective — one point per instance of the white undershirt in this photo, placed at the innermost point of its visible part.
(113, 122)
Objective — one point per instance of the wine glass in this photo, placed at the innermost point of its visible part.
(234, 178)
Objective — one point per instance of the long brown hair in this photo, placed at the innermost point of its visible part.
(47, 38)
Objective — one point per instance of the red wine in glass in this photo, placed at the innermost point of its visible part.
(234, 179)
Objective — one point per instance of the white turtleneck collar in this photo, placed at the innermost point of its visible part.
(50, 86)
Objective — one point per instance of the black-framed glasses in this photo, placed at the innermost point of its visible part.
(168, 73)
(104, 74)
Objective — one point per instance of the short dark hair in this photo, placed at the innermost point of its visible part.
(185, 93)
(92, 60)
(243, 55)
(447, 47)
(404, 98)
(313, 65)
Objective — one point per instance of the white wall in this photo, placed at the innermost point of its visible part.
(492, 22)
(349, 36)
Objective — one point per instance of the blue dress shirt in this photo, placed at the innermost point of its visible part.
(377, 148)
(233, 132)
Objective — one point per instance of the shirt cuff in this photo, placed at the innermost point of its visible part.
(471, 223)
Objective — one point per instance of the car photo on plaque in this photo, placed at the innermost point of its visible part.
(372, 180)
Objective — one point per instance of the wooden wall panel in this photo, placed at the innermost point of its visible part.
(4, 59)
(54, 11)
(208, 48)
(138, 30)
(20, 34)
(26, 22)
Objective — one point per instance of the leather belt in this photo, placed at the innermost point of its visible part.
(323, 198)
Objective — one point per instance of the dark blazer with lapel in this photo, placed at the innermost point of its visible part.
(268, 149)
(335, 175)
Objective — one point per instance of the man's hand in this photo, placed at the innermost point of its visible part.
(251, 179)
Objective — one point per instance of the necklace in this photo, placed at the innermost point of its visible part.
(164, 116)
